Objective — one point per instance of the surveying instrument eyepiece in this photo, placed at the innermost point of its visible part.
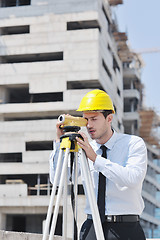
(68, 151)
(70, 123)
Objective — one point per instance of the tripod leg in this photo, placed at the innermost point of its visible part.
(65, 200)
(75, 192)
(54, 220)
(50, 207)
(91, 197)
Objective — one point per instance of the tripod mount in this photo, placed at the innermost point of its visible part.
(68, 140)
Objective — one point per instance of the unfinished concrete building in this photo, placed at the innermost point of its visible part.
(150, 131)
(51, 53)
(144, 123)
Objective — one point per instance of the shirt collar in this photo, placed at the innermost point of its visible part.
(110, 143)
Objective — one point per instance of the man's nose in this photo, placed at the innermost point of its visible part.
(89, 124)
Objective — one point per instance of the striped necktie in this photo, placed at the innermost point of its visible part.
(102, 189)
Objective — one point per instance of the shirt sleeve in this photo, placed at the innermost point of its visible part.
(132, 173)
(53, 160)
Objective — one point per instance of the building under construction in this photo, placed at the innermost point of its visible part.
(52, 52)
(143, 122)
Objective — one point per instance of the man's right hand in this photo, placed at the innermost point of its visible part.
(59, 131)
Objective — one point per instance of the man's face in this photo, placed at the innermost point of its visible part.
(99, 127)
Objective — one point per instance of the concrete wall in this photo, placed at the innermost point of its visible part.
(13, 190)
(5, 235)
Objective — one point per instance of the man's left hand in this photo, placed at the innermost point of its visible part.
(84, 144)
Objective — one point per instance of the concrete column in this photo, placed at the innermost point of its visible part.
(2, 95)
(2, 221)
(132, 86)
(132, 128)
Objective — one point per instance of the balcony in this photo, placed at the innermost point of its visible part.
(71, 99)
(130, 116)
(29, 201)
(13, 190)
(16, 193)
(131, 93)
(23, 168)
(131, 73)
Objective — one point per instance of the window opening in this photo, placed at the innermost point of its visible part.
(31, 118)
(118, 91)
(22, 95)
(10, 157)
(36, 57)
(84, 84)
(15, 30)
(77, 25)
(108, 20)
(15, 3)
(107, 70)
(31, 223)
(115, 64)
(39, 145)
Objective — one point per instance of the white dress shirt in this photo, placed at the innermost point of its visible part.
(124, 168)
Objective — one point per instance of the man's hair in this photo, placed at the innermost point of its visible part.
(106, 113)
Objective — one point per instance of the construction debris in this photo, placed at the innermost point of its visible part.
(115, 2)
(150, 122)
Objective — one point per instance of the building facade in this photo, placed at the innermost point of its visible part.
(52, 53)
(149, 130)
(143, 122)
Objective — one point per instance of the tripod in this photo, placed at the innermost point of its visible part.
(70, 147)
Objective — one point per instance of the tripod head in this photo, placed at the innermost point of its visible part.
(68, 129)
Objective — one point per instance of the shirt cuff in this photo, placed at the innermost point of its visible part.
(56, 145)
(100, 163)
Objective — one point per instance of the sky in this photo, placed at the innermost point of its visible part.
(140, 19)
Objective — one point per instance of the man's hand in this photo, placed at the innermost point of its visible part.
(59, 131)
(84, 144)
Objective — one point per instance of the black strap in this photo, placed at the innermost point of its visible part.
(122, 218)
(75, 230)
(102, 189)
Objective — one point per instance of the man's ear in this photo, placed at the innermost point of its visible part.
(109, 118)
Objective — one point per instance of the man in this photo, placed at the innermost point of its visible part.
(118, 165)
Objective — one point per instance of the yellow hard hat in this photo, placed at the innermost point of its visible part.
(96, 100)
